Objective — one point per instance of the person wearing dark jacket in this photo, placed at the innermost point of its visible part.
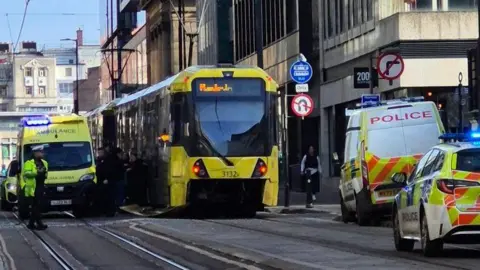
(102, 187)
(137, 175)
(311, 162)
(114, 176)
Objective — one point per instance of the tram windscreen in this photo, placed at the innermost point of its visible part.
(230, 114)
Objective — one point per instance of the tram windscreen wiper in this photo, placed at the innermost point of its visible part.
(216, 153)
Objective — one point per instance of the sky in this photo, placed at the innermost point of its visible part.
(45, 24)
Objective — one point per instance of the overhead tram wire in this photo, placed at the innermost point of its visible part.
(54, 14)
(21, 25)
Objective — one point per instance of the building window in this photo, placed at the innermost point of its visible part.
(3, 91)
(41, 90)
(70, 61)
(3, 107)
(329, 18)
(68, 72)
(65, 88)
(369, 10)
(355, 8)
(28, 72)
(29, 90)
(42, 72)
(341, 12)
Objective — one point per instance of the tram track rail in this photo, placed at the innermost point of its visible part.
(62, 262)
(341, 246)
(66, 265)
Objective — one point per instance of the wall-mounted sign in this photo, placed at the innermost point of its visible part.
(361, 78)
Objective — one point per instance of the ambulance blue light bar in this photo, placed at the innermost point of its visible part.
(36, 121)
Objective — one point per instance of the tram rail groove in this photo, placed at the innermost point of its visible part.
(356, 249)
(131, 243)
(48, 247)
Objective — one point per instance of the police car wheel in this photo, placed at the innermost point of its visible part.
(400, 243)
(430, 248)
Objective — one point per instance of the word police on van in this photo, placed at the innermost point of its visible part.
(401, 117)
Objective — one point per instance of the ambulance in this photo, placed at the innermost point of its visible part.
(67, 145)
(382, 139)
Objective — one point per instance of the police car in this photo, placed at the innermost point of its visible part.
(440, 200)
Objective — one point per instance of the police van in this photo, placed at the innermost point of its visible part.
(382, 139)
(68, 150)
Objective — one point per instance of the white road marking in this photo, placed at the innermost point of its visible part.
(11, 261)
(194, 249)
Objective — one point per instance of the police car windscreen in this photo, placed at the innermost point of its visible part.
(401, 131)
(468, 160)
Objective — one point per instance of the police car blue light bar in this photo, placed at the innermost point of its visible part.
(452, 136)
(36, 121)
(472, 136)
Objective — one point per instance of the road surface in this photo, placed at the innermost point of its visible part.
(271, 241)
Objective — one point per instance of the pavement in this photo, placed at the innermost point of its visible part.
(272, 240)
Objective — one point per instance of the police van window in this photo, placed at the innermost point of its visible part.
(430, 162)
(386, 142)
(415, 144)
(352, 145)
(418, 170)
(64, 156)
(439, 162)
(468, 160)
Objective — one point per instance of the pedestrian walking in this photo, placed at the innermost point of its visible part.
(311, 170)
(35, 173)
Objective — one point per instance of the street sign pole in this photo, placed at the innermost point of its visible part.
(460, 101)
(301, 73)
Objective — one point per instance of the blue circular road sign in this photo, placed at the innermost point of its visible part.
(301, 72)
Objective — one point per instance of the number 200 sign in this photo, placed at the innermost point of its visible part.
(362, 77)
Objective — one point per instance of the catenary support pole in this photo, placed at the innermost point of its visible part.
(77, 94)
(259, 32)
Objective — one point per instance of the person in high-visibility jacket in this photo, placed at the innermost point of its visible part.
(34, 174)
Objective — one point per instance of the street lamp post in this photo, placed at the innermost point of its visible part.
(75, 96)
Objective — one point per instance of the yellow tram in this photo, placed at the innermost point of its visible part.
(210, 134)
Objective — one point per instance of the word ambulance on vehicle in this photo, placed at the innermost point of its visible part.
(381, 139)
(440, 200)
(67, 148)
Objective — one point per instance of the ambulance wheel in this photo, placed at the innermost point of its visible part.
(362, 217)
(401, 244)
(430, 248)
(346, 215)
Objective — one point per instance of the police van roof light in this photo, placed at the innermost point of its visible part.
(36, 121)
(413, 99)
(475, 135)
